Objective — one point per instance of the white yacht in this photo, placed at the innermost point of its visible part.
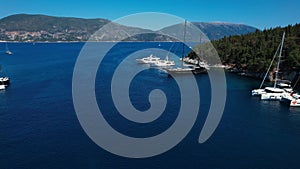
(163, 63)
(148, 60)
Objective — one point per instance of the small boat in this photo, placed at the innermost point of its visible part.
(148, 60)
(4, 81)
(8, 52)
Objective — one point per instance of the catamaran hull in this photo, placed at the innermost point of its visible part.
(257, 92)
(295, 103)
(291, 100)
(268, 96)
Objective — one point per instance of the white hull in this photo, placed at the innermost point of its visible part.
(295, 103)
(145, 61)
(257, 92)
(2, 87)
(163, 63)
(179, 70)
(4, 81)
(148, 60)
(292, 99)
(271, 96)
(8, 52)
(272, 93)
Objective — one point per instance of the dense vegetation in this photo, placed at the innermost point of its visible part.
(254, 51)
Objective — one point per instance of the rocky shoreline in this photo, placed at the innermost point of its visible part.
(291, 75)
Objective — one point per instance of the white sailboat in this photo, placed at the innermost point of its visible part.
(7, 51)
(183, 69)
(275, 92)
(260, 90)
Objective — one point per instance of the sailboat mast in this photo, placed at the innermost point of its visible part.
(277, 69)
(184, 34)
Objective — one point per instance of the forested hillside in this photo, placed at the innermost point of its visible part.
(253, 52)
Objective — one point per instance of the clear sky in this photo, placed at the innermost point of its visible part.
(258, 13)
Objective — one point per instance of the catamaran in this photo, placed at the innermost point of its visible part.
(291, 97)
(280, 87)
(275, 93)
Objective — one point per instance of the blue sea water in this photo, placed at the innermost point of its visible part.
(39, 127)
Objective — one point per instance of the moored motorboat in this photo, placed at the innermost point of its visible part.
(4, 81)
(148, 60)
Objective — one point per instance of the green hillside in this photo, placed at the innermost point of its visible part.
(31, 23)
(253, 52)
(28, 28)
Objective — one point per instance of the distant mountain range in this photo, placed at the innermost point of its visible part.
(24, 27)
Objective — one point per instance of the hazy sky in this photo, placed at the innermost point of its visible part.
(258, 13)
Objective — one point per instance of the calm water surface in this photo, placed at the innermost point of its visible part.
(39, 127)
